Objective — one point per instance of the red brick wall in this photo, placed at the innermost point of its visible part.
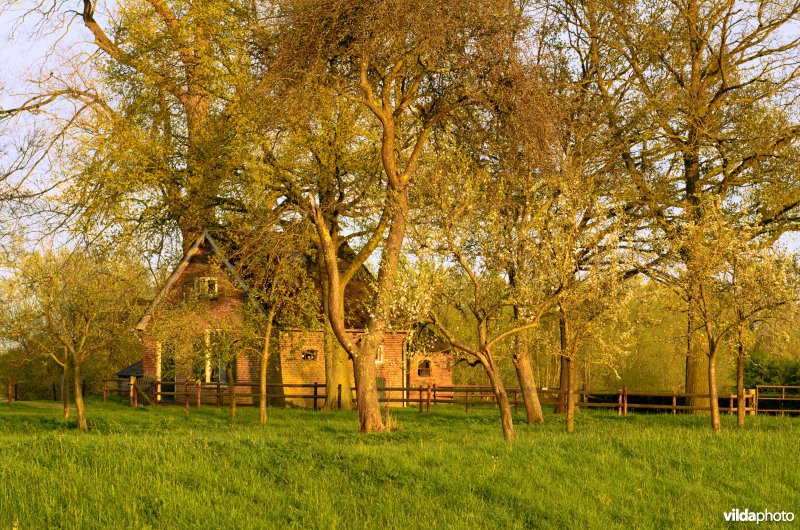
(441, 369)
(296, 370)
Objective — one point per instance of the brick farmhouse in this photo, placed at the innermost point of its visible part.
(221, 299)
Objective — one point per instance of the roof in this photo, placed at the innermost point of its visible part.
(134, 370)
(426, 340)
(187, 258)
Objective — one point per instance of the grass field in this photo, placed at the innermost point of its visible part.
(162, 469)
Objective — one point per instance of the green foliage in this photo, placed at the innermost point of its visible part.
(764, 369)
(159, 468)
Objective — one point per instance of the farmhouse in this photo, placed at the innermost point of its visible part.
(199, 328)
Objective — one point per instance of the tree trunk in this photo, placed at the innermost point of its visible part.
(369, 412)
(571, 397)
(563, 383)
(231, 388)
(79, 406)
(712, 391)
(740, 403)
(65, 382)
(262, 381)
(527, 384)
(696, 374)
(506, 419)
(337, 372)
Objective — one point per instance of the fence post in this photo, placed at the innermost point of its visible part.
(752, 395)
(783, 397)
(420, 399)
(674, 403)
(466, 400)
(428, 406)
(434, 394)
(755, 402)
(131, 388)
(199, 393)
(315, 396)
(105, 389)
(619, 402)
(730, 405)
(339, 397)
(625, 401)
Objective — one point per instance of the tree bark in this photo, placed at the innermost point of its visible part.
(337, 372)
(696, 381)
(262, 382)
(571, 397)
(527, 384)
(79, 405)
(740, 402)
(712, 391)
(65, 383)
(499, 389)
(561, 408)
(369, 412)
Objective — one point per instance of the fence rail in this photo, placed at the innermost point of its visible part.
(623, 400)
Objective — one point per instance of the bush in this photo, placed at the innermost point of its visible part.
(763, 369)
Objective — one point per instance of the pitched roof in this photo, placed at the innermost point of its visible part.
(187, 258)
(134, 370)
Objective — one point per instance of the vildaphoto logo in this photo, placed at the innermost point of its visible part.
(746, 516)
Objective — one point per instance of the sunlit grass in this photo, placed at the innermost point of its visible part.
(163, 469)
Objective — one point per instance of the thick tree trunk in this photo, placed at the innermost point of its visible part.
(740, 402)
(696, 381)
(79, 405)
(527, 384)
(369, 412)
(231, 389)
(337, 372)
(712, 392)
(506, 419)
(262, 382)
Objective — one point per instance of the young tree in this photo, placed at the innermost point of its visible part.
(80, 301)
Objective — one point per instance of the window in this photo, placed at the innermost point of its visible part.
(310, 355)
(207, 286)
(379, 355)
(424, 368)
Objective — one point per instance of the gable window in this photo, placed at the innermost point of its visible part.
(424, 368)
(207, 286)
(310, 355)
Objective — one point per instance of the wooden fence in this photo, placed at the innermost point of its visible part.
(773, 399)
(622, 400)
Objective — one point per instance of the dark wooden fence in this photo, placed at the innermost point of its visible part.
(773, 399)
(622, 400)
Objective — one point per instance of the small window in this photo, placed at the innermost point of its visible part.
(379, 355)
(207, 286)
(310, 355)
(424, 368)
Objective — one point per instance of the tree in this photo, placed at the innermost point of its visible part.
(698, 97)
(73, 305)
(410, 65)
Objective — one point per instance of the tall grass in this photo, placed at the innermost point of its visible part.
(162, 469)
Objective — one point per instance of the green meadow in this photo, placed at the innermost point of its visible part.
(160, 468)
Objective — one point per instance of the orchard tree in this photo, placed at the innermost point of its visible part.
(411, 65)
(75, 305)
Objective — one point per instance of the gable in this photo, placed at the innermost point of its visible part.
(195, 263)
